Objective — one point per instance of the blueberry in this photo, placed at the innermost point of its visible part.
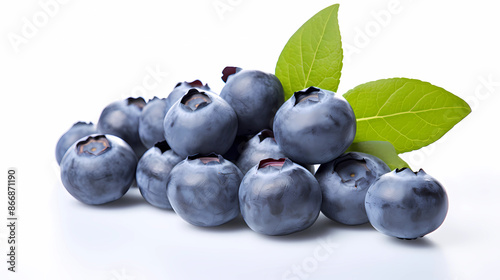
(314, 126)
(261, 146)
(151, 122)
(153, 170)
(344, 183)
(181, 88)
(200, 123)
(203, 190)
(255, 97)
(234, 153)
(406, 204)
(98, 169)
(279, 197)
(77, 131)
(121, 118)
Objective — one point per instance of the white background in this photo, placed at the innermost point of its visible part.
(86, 54)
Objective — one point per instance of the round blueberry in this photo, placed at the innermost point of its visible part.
(121, 118)
(406, 204)
(279, 197)
(255, 97)
(153, 170)
(234, 153)
(200, 123)
(151, 122)
(314, 126)
(98, 169)
(261, 146)
(181, 88)
(203, 190)
(77, 131)
(344, 183)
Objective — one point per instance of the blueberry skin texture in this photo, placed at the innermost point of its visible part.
(77, 131)
(314, 126)
(279, 201)
(181, 88)
(121, 118)
(405, 204)
(205, 193)
(261, 146)
(151, 122)
(344, 183)
(255, 97)
(153, 170)
(234, 153)
(102, 176)
(210, 128)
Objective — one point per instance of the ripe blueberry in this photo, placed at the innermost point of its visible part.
(203, 190)
(121, 118)
(200, 123)
(255, 97)
(77, 131)
(153, 170)
(181, 88)
(98, 169)
(234, 153)
(314, 126)
(344, 183)
(151, 122)
(279, 197)
(261, 146)
(406, 204)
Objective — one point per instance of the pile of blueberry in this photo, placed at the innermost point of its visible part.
(211, 157)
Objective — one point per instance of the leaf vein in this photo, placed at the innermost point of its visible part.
(405, 113)
(316, 51)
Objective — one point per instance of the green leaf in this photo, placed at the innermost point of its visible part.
(313, 55)
(381, 149)
(410, 114)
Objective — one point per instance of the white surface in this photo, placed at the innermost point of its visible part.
(91, 53)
